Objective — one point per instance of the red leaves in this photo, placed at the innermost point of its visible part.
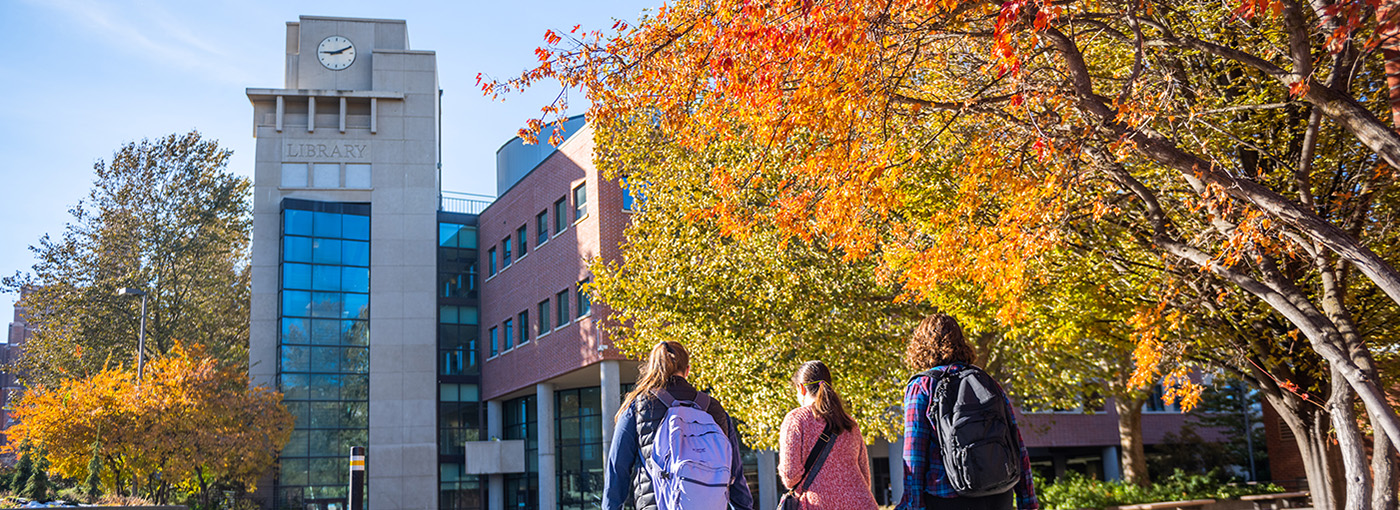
(1299, 88)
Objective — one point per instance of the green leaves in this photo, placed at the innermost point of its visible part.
(166, 216)
(750, 306)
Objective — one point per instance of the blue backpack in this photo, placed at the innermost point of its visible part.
(690, 459)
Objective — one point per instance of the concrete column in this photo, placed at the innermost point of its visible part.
(611, 393)
(549, 468)
(768, 489)
(896, 470)
(1061, 463)
(495, 484)
(1111, 469)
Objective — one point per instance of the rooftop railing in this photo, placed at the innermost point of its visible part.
(463, 203)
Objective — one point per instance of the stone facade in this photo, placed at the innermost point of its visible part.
(381, 111)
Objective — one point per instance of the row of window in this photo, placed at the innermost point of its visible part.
(515, 247)
(323, 354)
(515, 331)
(326, 175)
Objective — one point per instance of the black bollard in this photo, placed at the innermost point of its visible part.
(357, 478)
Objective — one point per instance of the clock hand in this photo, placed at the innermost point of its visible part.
(337, 52)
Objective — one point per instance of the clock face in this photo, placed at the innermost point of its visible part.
(336, 53)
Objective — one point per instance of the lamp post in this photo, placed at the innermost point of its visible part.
(141, 336)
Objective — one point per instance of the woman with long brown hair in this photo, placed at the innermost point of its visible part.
(660, 387)
(937, 350)
(841, 479)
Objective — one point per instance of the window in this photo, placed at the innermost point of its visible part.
(491, 261)
(580, 202)
(524, 320)
(457, 284)
(325, 175)
(453, 235)
(508, 328)
(1155, 404)
(294, 175)
(357, 175)
(560, 221)
(541, 228)
(584, 305)
(519, 421)
(543, 313)
(457, 349)
(579, 443)
(520, 239)
(561, 302)
(495, 343)
(505, 253)
(322, 364)
(457, 330)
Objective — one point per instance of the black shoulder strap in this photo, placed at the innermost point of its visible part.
(817, 457)
(928, 373)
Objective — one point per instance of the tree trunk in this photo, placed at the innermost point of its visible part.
(1130, 439)
(1321, 461)
(1387, 478)
(1358, 476)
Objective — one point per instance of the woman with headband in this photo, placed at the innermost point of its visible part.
(823, 461)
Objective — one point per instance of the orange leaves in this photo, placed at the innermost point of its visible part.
(1251, 8)
(188, 413)
(552, 38)
(1299, 88)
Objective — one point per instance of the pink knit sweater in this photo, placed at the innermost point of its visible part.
(843, 482)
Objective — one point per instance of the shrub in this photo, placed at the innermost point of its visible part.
(1077, 491)
(71, 495)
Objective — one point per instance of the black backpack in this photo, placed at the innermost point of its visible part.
(978, 444)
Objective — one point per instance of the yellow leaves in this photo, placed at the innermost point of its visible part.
(187, 414)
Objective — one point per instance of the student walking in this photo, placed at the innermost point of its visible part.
(839, 477)
(962, 449)
(674, 447)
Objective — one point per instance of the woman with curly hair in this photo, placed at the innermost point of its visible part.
(937, 350)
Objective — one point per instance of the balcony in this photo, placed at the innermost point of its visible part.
(463, 203)
(494, 457)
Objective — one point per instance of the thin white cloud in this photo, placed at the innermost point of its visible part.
(151, 32)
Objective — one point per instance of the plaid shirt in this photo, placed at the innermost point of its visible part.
(923, 462)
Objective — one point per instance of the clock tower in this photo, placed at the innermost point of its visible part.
(344, 312)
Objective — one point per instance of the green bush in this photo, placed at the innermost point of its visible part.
(1076, 491)
(72, 495)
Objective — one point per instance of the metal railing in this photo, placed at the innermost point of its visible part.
(463, 203)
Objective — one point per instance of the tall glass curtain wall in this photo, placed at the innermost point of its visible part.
(519, 421)
(579, 441)
(323, 367)
(459, 375)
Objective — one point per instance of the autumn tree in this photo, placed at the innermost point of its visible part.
(1240, 141)
(192, 419)
(755, 306)
(163, 215)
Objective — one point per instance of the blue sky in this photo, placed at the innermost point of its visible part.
(82, 77)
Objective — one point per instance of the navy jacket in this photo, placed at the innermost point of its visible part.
(633, 438)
